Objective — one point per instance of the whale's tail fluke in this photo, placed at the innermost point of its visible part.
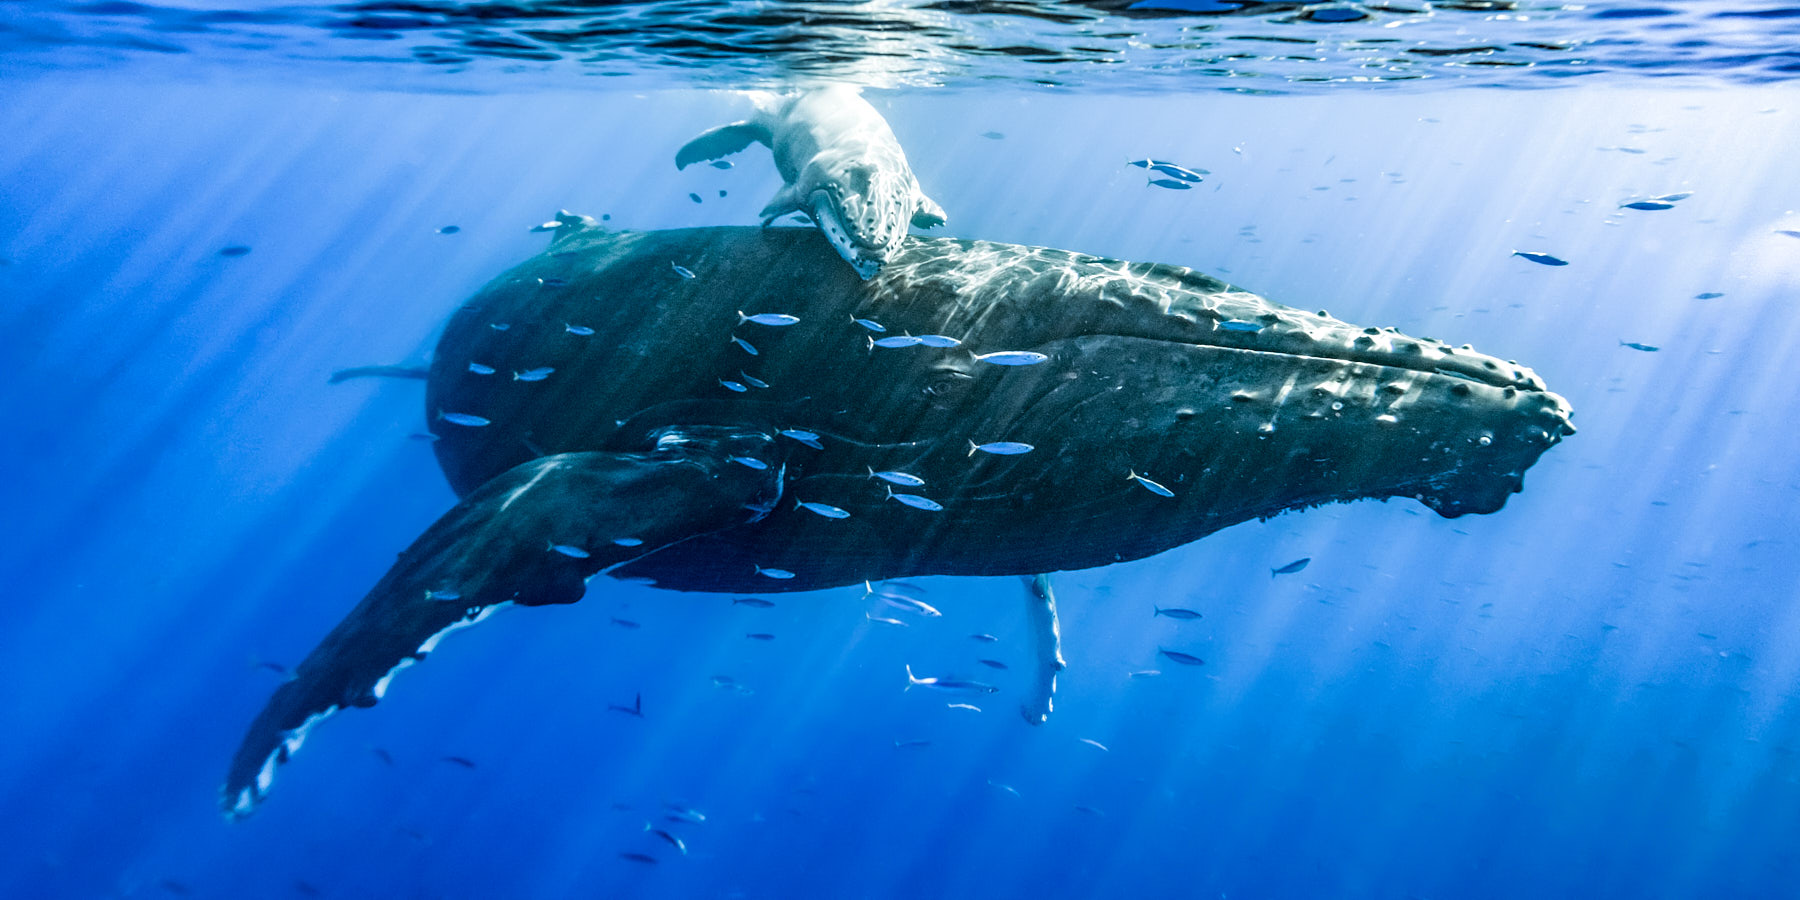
(532, 536)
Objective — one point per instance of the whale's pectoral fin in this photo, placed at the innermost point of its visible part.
(929, 214)
(1040, 605)
(532, 536)
(785, 201)
(721, 141)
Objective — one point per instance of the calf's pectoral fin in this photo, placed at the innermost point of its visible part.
(721, 141)
(532, 536)
(929, 214)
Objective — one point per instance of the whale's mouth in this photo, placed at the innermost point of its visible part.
(828, 214)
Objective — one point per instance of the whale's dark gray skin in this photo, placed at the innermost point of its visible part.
(635, 458)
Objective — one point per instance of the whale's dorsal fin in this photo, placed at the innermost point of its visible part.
(722, 141)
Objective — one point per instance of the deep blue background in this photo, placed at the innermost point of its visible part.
(1591, 693)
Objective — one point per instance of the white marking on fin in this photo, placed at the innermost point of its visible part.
(381, 686)
(432, 642)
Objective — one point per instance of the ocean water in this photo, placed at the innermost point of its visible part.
(1591, 693)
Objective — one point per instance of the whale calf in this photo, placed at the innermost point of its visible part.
(841, 165)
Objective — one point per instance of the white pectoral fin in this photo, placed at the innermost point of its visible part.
(928, 214)
(721, 141)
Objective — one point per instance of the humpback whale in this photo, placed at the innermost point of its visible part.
(1155, 405)
(841, 165)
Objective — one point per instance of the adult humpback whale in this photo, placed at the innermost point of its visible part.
(725, 431)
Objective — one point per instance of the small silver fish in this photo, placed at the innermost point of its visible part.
(581, 330)
(916, 502)
(551, 225)
(570, 550)
(984, 638)
(744, 345)
(910, 604)
(683, 271)
(677, 842)
(870, 324)
(1647, 205)
(750, 462)
(1637, 346)
(1012, 357)
(1174, 612)
(1093, 743)
(1001, 448)
(938, 340)
(1241, 327)
(760, 636)
(480, 369)
(752, 381)
(445, 594)
(1179, 173)
(1145, 673)
(1172, 184)
(968, 706)
(721, 163)
(1709, 295)
(1186, 659)
(500, 326)
(1542, 259)
(553, 282)
(538, 374)
(900, 478)
(1003, 787)
(756, 602)
(992, 663)
(676, 813)
(1149, 485)
(774, 320)
(808, 438)
(629, 541)
(1672, 198)
(1292, 567)
(693, 196)
(777, 574)
(450, 229)
(823, 509)
(1788, 231)
(884, 620)
(732, 386)
(899, 340)
(915, 744)
(947, 684)
(464, 419)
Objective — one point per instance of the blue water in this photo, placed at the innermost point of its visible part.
(1591, 693)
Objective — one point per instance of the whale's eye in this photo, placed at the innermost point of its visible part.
(946, 384)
